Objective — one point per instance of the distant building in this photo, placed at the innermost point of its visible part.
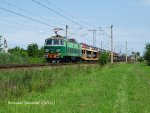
(4, 46)
(1, 48)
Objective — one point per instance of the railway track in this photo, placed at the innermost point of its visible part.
(9, 66)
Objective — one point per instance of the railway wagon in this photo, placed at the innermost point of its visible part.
(89, 53)
(59, 49)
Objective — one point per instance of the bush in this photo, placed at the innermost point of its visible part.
(32, 50)
(6, 58)
(147, 53)
(141, 59)
(104, 58)
(18, 51)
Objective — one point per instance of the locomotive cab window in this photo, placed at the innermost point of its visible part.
(48, 42)
(54, 42)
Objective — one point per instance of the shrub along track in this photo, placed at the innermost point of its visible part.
(9, 66)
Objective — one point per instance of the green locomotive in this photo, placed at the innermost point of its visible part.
(59, 49)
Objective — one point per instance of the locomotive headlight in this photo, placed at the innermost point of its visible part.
(57, 50)
(47, 50)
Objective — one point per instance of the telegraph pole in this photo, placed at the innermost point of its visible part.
(126, 52)
(111, 44)
(66, 31)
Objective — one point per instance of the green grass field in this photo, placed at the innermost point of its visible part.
(124, 88)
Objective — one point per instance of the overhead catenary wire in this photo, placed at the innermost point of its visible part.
(68, 13)
(29, 12)
(35, 20)
(39, 3)
(29, 18)
(75, 32)
(14, 27)
(20, 24)
(105, 32)
(25, 17)
(12, 5)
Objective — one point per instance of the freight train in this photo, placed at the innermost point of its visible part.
(59, 49)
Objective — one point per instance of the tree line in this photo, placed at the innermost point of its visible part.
(32, 50)
(147, 54)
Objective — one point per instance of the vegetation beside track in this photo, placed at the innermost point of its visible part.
(7, 58)
(123, 88)
(32, 55)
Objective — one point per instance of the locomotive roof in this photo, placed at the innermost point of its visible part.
(63, 38)
(58, 37)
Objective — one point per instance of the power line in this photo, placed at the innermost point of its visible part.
(9, 26)
(38, 21)
(104, 32)
(67, 13)
(94, 36)
(12, 5)
(58, 13)
(85, 37)
(22, 25)
(26, 12)
(75, 32)
(24, 15)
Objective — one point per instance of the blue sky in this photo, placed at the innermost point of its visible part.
(130, 18)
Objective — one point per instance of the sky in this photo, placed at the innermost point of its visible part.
(35, 23)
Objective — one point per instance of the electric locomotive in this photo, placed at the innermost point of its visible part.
(59, 49)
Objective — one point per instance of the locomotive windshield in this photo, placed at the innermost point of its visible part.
(49, 42)
(54, 42)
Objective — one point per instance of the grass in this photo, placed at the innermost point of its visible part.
(123, 88)
(6, 58)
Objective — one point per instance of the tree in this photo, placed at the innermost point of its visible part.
(137, 55)
(18, 51)
(141, 59)
(104, 58)
(32, 50)
(147, 53)
(14, 50)
(41, 52)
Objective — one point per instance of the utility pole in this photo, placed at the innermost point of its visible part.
(1, 41)
(133, 55)
(110, 36)
(126, 51)
(5, 43)
(66, 31)
(111, 44)
(101, 45)
(94, 36)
